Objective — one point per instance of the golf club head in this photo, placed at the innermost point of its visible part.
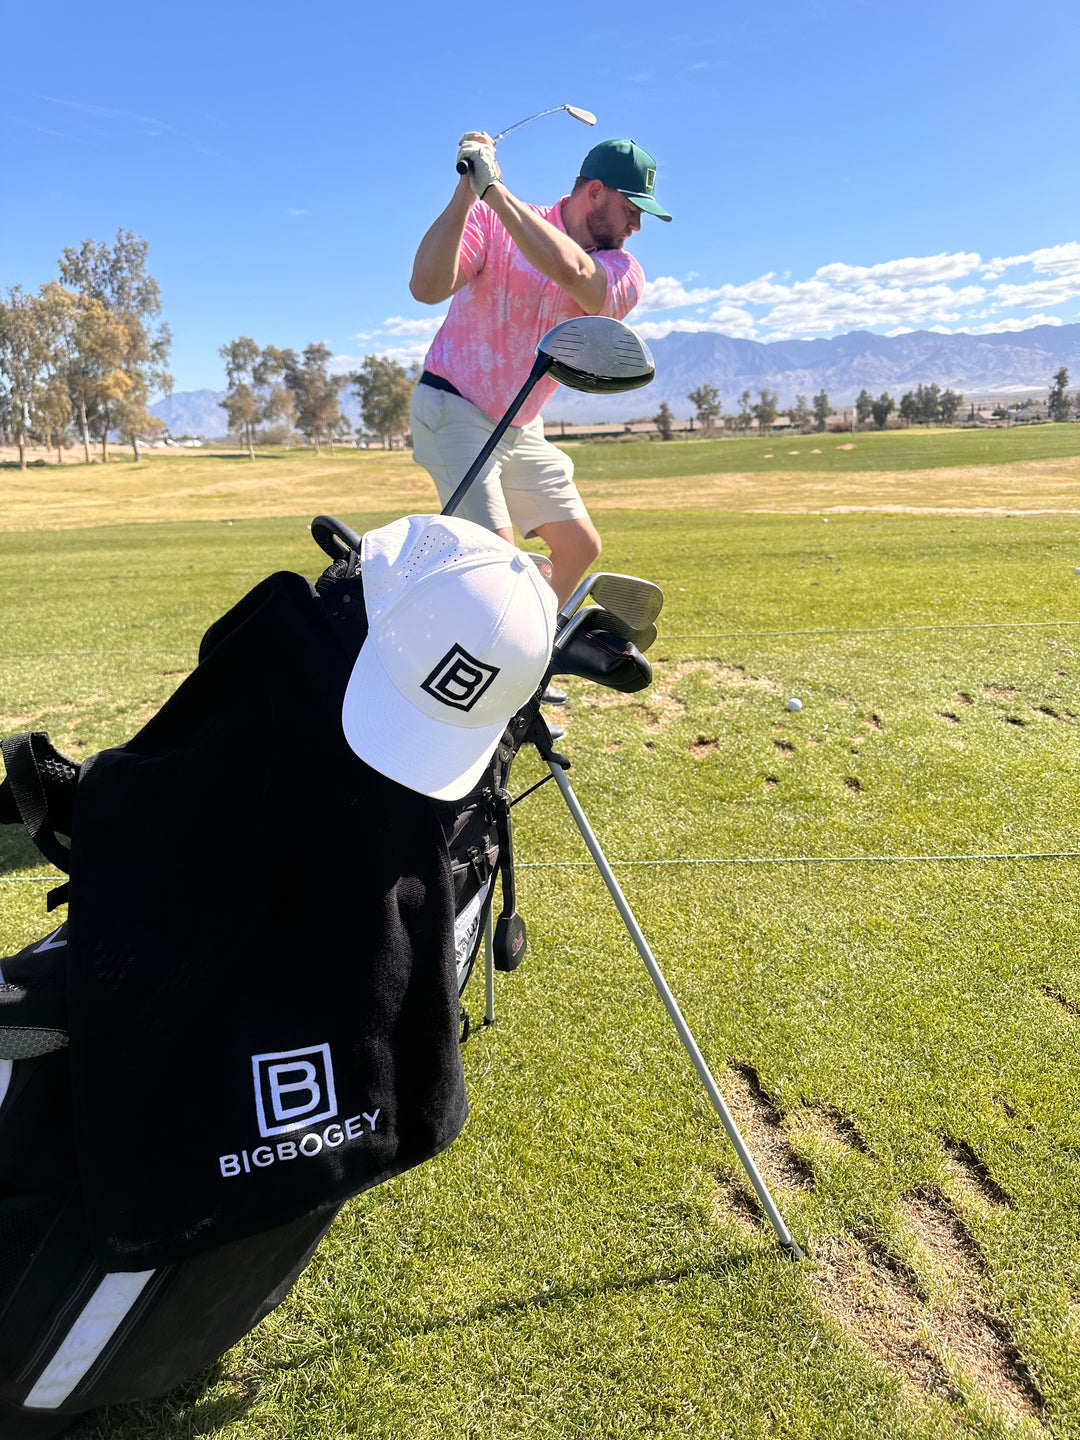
(602, 657)
(595, 617)
(636, 602)
(597, 354)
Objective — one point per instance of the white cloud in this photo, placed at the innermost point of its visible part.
(1038, 292)
(900, 330)
(1052, 260)
(939, 330)
(741, 326)
(413, 325)
(1023, 322)
(666, 293)
(915, 270)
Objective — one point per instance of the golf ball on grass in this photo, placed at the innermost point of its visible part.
(794, 704)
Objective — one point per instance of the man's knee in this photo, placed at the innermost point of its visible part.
(572, 540)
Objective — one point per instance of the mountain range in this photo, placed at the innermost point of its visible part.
(1023, 360)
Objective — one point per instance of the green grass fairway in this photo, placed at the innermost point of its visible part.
(866, 909)
(883, 450)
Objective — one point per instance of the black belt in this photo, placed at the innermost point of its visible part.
(438, 383)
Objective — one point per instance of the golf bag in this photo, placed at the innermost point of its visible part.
(251, 1013)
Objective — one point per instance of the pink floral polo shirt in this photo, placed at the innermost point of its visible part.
(487, 343)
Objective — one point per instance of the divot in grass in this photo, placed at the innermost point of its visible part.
(1072, 1006)
(972, 1336)
(972, 1175)
(932, 1322)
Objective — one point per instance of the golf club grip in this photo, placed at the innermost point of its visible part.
(463, 167)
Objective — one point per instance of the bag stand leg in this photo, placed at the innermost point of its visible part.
(681, 1027)
(489, 971)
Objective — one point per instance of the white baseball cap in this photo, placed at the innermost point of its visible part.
(460, 629)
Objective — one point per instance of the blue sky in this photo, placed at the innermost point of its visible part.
(833, 165)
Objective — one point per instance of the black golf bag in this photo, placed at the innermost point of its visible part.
(251, 1013)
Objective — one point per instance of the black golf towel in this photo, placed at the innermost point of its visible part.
(263, 992)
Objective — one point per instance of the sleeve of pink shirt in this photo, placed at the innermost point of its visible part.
(474, 241)
(625, 282)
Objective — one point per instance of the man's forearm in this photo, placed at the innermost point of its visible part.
(436, 274)
(550, 251)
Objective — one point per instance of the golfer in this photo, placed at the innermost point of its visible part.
(515, 270)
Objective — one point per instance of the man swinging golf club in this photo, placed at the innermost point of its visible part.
(514, 271)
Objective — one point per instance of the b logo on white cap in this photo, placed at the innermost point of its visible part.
(459, 679)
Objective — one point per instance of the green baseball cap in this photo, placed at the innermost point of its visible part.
(626, 167)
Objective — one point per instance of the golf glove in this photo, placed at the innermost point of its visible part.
(479, 155)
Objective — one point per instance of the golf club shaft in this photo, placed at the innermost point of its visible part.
(681, 1027)
(541, 364)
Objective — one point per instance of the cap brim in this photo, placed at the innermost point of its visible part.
(443, 761)
(646, 203)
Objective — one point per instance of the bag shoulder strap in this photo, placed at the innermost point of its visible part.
(39, 791)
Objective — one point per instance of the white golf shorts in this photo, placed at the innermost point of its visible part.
(527, 482)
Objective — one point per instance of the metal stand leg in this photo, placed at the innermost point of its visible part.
(674, 1012)
(489, 972)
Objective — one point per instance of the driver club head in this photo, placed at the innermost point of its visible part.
(597, 354)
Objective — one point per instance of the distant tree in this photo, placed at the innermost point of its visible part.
(384, 390)
(134, 421)
(25, 355)
(1057, 406)
(800, 413)
(822, 409)
(928, 404)
(864, 406)
(116, 277)
(882, 408)
(909, 409)
(664, 421)
(706, 402)
(91, 343)
(765, 411)
(746, 413)
(316, 392)
(241, 403)
(54, 414)
(949, 405)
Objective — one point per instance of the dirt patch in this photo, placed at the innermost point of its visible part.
(853, 785)
(960, 698)
(949, 716)
(784, 747)
(872, 722)
(826, 1122)
(704, 745)
(970, 1331)
(761, 1124)
(972, 1175)
(934, 1325)
(999, 692)
(1065, 716)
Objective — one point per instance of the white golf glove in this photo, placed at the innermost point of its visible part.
(478, 152)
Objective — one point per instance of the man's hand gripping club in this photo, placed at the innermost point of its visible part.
(476, 156)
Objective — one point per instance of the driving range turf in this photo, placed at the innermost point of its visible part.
(865, 908)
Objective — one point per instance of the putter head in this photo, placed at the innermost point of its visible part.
(597, 354)
(636, 602)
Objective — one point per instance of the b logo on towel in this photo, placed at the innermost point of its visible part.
(459, 679)
(294, 1089)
